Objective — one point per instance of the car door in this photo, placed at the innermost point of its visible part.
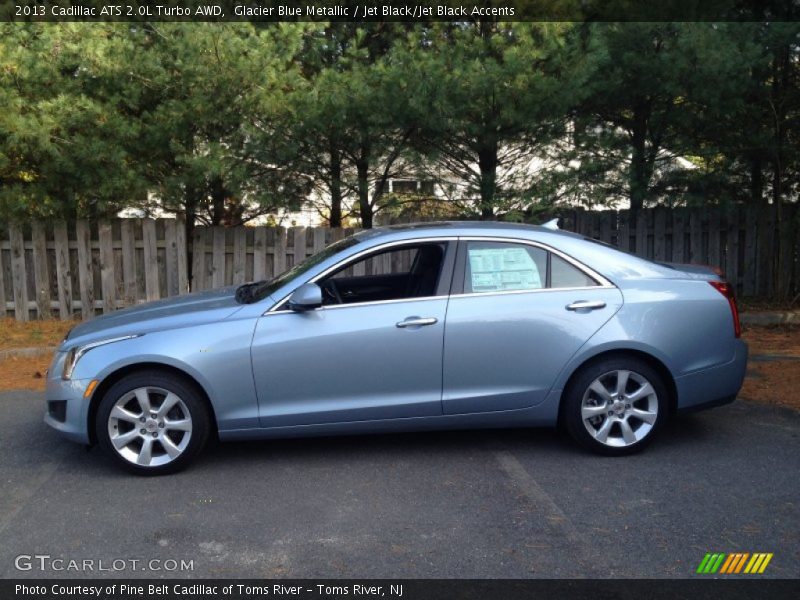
(356, 359)
(518, 312)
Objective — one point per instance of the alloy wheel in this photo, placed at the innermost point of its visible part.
(150, 426)
(619, 408)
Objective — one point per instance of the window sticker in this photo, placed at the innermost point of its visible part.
(498, 269)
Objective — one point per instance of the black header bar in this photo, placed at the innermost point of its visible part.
(400, 10)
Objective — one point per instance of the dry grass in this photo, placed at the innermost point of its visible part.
(773, 382)
(782, 339)
(28, 373)
(33, 334)
(767, 305)
(767, 382)
(25, 373)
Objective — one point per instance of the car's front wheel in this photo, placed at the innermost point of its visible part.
(152, 422)
(615, 406)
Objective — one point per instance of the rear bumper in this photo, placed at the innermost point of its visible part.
(714, 386)
(73, 426)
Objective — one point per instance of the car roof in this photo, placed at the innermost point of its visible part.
(462, 228)
(607, 260)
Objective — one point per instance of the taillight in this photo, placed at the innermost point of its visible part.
(726, 289)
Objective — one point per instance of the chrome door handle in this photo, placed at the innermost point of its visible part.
(586, 305)
(417, 322)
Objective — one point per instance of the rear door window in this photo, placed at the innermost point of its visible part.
(497, 267)
(507, 266)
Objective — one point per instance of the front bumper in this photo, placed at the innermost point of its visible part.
(713, 386)
(74, 425)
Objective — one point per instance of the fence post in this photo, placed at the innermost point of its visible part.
(239, 255)
(128, 262)
(171, 258)
(695, 236)
(2, 287)
(795, 253)
(41, 272)
(85, 278)
(63, 274)
(749, 273)
(660, 233)
(279, 252)
(299, 245)
(150, 260)
(218, 259)
(182, 256)
(260, 253)
(714, 238)
(641, 233)
(108, 286)
(732, 249)
(319, 239)
(199, 259)
(624, 232)
(787, 233)
(18, 277)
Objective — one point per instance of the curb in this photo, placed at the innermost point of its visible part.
(770, 318)
(26, 352)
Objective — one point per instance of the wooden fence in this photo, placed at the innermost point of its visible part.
(757, 248)
(78, 269)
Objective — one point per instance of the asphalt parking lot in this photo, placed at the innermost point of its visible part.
(522, 503)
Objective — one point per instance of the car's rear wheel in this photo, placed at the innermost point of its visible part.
(615, 406)
(152, 422)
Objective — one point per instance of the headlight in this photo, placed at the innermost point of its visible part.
(75, 353)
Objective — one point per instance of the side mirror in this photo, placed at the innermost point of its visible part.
(307, 297)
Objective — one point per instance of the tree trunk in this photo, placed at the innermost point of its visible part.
(764, 242)
(779, 286)
(190, 202)
(639, 181)
(487, 163)
(756, 181)
(335, 218)
(364, 208)
(217, 201)
(780, 83)
(362, 170)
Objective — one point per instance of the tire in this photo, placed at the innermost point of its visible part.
(609, 421)
(153, 422)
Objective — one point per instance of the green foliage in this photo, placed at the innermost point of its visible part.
(491, 97)
(225, 122)
(200, 92)
(666, 94)
(62, 151)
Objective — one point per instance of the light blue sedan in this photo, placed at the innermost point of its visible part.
(418, 327)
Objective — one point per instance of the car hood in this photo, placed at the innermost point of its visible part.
(170, 313)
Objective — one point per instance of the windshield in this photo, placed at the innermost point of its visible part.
(265, 288)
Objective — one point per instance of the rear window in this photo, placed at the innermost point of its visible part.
(566, 275)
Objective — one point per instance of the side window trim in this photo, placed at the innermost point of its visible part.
(445, 277)
(457, 289)
(459, 272)
(548, 282)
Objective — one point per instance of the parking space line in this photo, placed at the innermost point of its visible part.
(592, 564)
(21, 494)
